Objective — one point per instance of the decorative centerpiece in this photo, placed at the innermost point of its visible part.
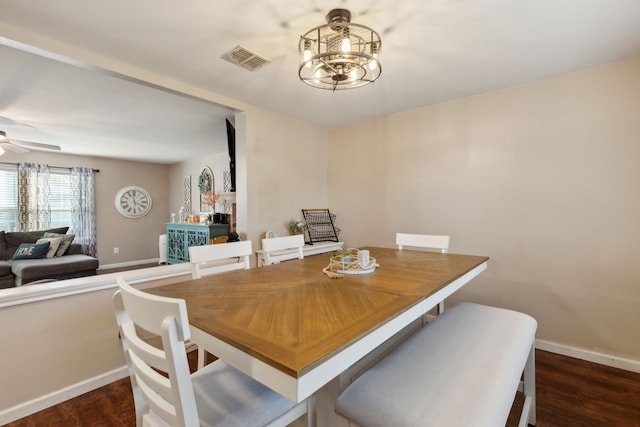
(298, 226)
(210, 199)
(350, 261)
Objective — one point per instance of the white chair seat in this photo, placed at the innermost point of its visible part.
(227, 397)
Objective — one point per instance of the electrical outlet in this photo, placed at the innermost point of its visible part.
(116, 250)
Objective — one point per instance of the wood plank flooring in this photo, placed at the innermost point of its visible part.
(570, 393)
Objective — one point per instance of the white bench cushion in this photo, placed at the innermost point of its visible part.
(463, 369)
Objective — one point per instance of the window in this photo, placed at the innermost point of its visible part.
(60, 198)
(8, 198)
(60, 201)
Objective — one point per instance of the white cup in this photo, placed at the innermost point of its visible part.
(363, 258)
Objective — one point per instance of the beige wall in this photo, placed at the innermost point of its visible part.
(286, 171)
(543, 178)
(218, 162)
(137, 239)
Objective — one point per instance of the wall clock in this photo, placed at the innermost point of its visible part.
(133, 202)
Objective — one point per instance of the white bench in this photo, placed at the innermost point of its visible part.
(463, 369)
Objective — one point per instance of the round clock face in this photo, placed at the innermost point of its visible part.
(133, 202)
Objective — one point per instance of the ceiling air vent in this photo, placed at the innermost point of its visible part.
(245, 58)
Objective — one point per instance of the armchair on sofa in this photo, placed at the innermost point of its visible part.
(21, 262)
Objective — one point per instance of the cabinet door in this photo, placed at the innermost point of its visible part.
(175, 245)
(197, 236)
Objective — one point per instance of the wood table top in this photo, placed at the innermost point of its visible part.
(293, 317)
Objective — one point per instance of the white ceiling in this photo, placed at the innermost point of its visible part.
(433, 51)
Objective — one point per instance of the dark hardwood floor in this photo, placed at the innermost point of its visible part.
(570, 393)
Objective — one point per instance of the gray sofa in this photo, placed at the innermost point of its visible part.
(17, 272)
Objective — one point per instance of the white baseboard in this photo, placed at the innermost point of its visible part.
(619, 362)
(129, 263)
(27, 408)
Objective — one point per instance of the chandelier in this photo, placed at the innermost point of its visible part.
(339, 55)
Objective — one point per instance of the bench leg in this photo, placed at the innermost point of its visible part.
(529, 410)
(202, 358)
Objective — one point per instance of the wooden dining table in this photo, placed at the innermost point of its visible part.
(296, 330)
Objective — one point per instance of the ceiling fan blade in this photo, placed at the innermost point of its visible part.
(12, 147)
(34, 145)
(6, 121)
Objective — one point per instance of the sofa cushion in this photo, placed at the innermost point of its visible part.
(5, 268)
(74, 249)
(64, 244)
(31, 251)
(14, 239)
(28, 270)
(54, 243)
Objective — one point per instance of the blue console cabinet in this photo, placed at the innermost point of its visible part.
(182, 235)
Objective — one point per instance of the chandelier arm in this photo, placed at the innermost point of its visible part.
(331, 67)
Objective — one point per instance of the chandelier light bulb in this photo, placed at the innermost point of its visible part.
(306, 56)
(374, 64)
(346, 44)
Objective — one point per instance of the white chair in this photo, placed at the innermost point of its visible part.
(218, 258)
(429, 241)
(285, 248)
(214, 259)
(217, 395)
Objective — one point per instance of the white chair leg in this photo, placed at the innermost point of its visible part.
(311, 411)
(441, 307)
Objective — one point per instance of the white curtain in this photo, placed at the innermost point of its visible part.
(34, 212)
(83, 209)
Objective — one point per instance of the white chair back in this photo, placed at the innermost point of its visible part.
(216, 395)
(285, 248)
(170, 399)
(430, 241)
(218, 258)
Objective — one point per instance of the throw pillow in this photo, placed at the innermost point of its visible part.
(54, 243)
(31, 251)
(67, 239)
